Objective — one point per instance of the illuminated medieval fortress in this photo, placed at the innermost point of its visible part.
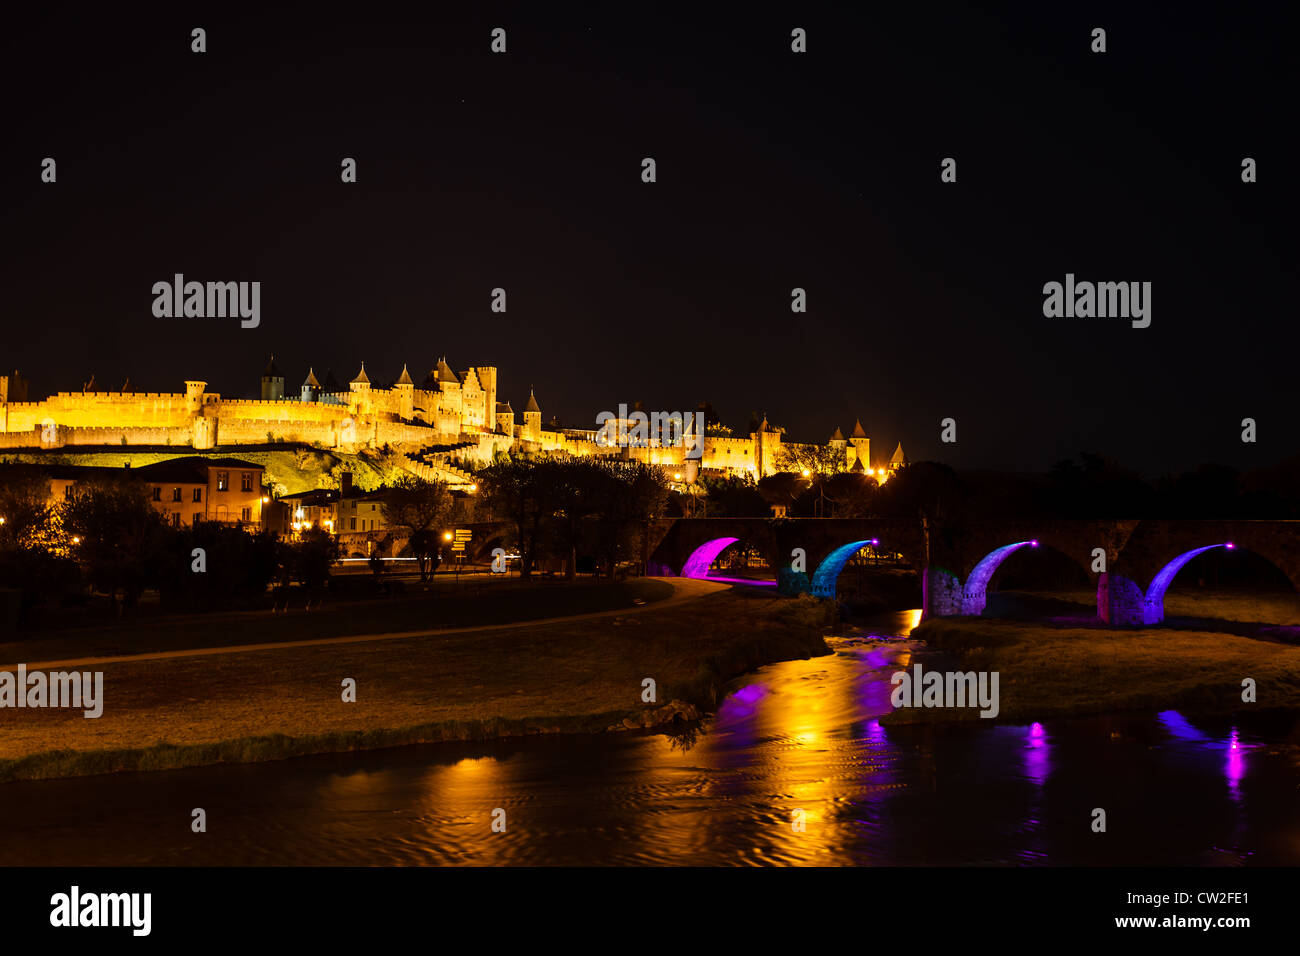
(448, 420)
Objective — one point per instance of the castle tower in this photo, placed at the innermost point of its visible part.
(311, 387)
(360, 389)
(405, 394)
(532, 418)
(767, 449)
(487, 377)
(272, 383)
(505, 419)
(194, 396)
(13, 388)
(861, 444)
(898, 460)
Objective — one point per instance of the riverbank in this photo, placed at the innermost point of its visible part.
(579, 676)
(1059, 671)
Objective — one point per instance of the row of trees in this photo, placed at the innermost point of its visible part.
(107, 536)
(573, 508)
(1087, 487)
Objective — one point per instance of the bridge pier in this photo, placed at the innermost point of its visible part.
(1120, 602)
(942, 594)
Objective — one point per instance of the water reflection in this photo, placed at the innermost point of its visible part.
(1232, 748)
(801, 735)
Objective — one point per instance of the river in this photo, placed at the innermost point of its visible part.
(796, 736)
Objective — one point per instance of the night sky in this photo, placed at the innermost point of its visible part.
(775, 170)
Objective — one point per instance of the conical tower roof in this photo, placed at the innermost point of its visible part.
(839, 435)
(898, 457)
(444, 372)
(858, 468)
(532, 405)
(127, 387)
(311, 379)
(271, 370)
(857, 429)
(362, 378)
(405, 378)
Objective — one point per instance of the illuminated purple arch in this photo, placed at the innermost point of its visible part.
(828, 572)
(1153, 603)
(974, 595)
(697, 565)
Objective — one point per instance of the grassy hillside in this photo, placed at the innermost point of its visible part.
(289, 468)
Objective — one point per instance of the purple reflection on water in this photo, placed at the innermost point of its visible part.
(1037, 755)
(1234, 749)
(1235, 766)
(741, 705)
(1178, 726)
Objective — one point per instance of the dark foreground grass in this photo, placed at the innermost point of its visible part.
(1047, 671)
(573, 677)
(445, 605)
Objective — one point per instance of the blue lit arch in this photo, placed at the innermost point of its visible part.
(828, 572)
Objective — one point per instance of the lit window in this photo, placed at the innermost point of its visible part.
(245, 481)
(223, 481)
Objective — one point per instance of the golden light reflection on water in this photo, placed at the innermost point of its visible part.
(797, 736)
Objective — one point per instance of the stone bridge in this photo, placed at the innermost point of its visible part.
(1132, 562)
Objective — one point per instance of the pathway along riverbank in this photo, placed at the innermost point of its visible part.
(581, 674)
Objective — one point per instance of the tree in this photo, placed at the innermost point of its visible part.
(421, 508)
(313, 555)
(27, 518)
(734, 496)
(853, 494)
(117, 536)
(629, 494)
(517, 492)
(817, 459)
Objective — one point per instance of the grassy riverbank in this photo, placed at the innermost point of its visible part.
(444, 603)
(1053, 671)
(579, 676)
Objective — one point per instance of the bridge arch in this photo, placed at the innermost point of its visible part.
(1153, 599)
(975, 592)
(828, 572)
(697, 565)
